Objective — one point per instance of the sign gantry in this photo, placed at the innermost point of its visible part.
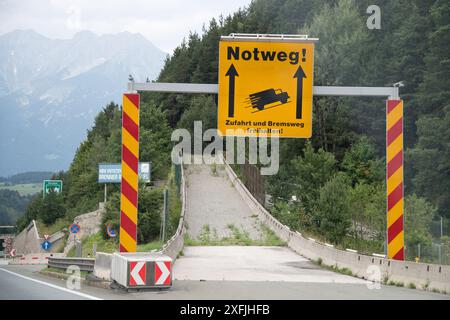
(266, 87)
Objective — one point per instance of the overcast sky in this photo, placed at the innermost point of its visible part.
(163, 22)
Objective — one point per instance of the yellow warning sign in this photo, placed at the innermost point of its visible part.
(265, 88)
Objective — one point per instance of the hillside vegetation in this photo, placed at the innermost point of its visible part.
(12, 206)
(27, 177)
(16, 192)
(81, 191)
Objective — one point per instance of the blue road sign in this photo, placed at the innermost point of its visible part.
(110, 231)
(74, 228)
(46, 245)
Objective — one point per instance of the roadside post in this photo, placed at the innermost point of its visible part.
(130, 179)
(74, 228)
(164, 215)
(78, 248)
(394, 179)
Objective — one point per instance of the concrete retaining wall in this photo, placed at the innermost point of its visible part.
(57, 239)
(28, 240)
(89, 223)
(422, 275)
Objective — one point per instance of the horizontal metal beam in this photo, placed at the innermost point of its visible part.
(174, 87)
(268, 37)
(390, 92)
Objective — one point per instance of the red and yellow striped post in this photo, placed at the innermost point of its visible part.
(130, 178)
(394, 179)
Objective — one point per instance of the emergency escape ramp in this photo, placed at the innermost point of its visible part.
(394, 127)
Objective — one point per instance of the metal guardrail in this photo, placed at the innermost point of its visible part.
(85, 264)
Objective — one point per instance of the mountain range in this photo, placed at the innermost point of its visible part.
(52, 89)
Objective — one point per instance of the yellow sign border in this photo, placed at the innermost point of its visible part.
(236, 73)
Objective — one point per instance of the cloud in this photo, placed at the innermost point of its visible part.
(165, 23)
(51, 156)
(73, 20)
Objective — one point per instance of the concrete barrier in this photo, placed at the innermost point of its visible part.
(138, 270)
(28, 240)
(102, 266)
(175, 244)
(90, 224)
(422, 275)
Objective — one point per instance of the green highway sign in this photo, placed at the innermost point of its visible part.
(55, 185)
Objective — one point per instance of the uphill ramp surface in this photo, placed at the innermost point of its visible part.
(217, 219)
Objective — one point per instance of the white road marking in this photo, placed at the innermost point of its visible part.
(53, 286)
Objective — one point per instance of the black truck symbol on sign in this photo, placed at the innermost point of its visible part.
(260, 100)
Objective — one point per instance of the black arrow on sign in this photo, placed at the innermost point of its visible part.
(300, 74)
(232, 73)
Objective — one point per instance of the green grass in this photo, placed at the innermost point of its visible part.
(270, 238)
(62, 245)
(214, 170)
(58, 225)
(149, 246)
(208, 237)
(396, 283)
(103, 245)
(23, 189)
(108, 246)
(83, 274)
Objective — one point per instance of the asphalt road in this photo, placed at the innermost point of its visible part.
(229, 273)
(15, 286)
